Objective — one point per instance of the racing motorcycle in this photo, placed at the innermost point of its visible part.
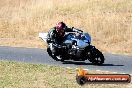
(75, 47)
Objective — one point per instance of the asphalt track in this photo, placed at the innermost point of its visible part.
(113, 62)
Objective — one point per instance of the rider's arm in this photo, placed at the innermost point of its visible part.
(72, 29)
(77, 30)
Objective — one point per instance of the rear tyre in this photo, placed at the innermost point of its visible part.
(52, 55)
(59, 58)
(49, 52)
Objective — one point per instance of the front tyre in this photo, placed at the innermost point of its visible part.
(97, 57)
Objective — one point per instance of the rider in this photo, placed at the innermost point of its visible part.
(56, 34)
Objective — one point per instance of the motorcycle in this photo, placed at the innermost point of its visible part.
(76, 47)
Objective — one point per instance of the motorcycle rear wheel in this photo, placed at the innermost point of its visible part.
(56, 58)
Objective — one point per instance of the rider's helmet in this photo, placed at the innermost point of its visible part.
(60, 27)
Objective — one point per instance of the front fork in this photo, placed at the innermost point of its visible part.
(90, 48)
(89, 52)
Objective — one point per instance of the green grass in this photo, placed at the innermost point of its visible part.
(27, 75)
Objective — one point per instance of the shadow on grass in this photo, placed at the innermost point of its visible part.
(84, 63)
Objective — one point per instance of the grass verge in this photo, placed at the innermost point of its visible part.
(27, 75)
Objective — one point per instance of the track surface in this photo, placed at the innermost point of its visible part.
(113, 62)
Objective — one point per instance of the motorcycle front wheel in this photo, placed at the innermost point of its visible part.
(96, 57)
